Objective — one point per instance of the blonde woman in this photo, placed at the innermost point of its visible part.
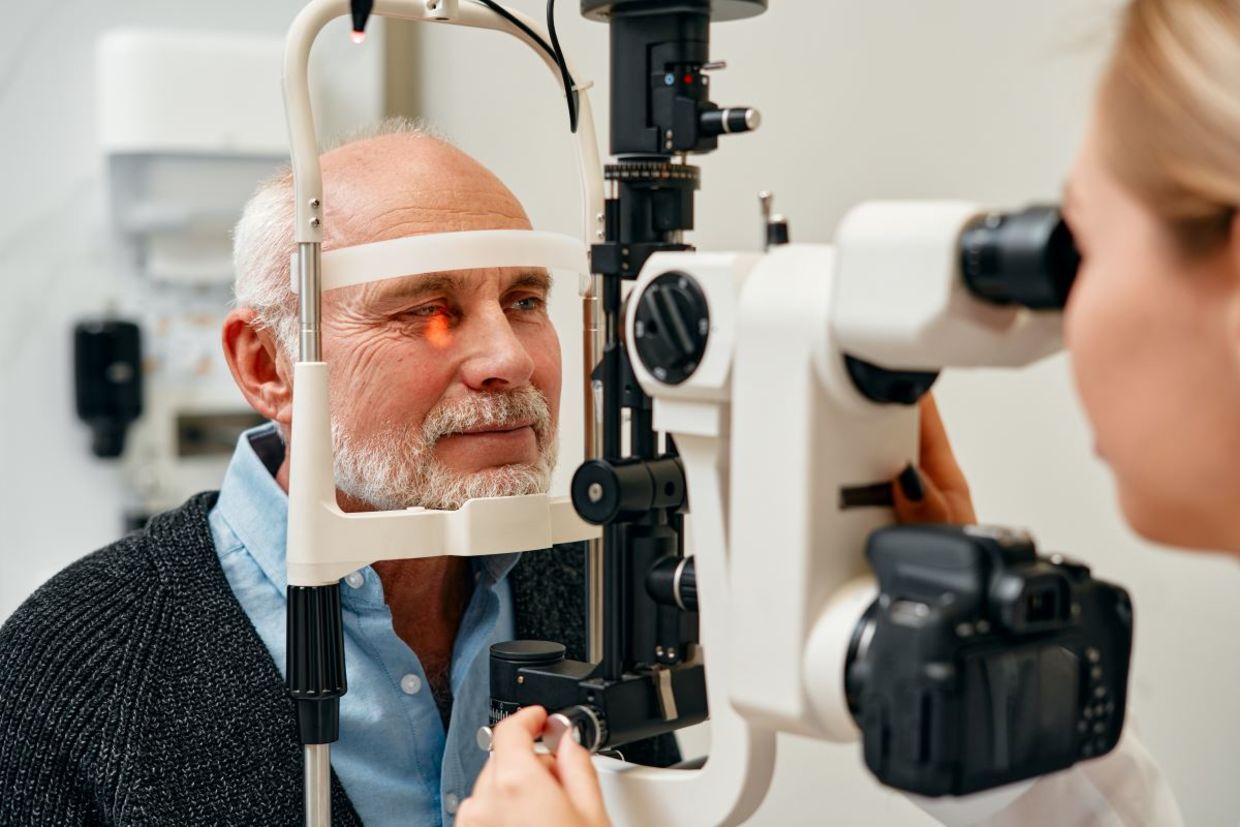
(1153, 327)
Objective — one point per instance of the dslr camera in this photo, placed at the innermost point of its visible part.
(982, 663)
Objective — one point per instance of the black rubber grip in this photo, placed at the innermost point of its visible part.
(316, 674)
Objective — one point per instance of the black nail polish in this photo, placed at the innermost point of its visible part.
(910, 484)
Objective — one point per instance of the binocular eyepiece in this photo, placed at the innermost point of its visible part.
(1028, 258)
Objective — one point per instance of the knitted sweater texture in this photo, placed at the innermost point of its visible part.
(134, 689)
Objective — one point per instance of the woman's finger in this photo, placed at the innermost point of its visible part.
(515, 734)
(938, 463)
(512, 748)
(918, 500)
(577, 774)
(485, 783)
(476, 811)
(936, 458)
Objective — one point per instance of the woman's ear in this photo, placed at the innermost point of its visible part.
(259, 368)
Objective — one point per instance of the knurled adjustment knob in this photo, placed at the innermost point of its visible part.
(671, 327)
(653, 172)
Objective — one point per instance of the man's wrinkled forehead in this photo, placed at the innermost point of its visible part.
(397, 185)
(457, 283)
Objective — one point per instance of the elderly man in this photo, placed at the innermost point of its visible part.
(143, 684)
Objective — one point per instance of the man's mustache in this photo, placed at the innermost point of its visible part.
(494, 409)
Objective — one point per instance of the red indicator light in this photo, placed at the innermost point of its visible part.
(688, 80)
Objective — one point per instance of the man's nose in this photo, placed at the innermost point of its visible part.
(497, 358)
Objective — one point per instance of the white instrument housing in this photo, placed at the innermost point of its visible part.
(771, 428)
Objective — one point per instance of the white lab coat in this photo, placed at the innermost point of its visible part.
(1122, 789)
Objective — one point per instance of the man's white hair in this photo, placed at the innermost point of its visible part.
(263, 242)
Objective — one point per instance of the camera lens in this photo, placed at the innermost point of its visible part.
(1027, 258)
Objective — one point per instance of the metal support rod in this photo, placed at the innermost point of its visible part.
(318, 780)
(318, 773)
(593, 343)
(309, 268)
(613, 660)
(594, 600)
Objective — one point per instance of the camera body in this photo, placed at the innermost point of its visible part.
(982, 663)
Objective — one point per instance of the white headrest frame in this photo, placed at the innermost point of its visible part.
(442, 252)
(304, 147)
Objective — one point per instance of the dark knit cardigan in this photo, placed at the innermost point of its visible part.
(134, 689)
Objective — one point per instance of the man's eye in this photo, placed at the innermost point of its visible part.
(529, 303)
(426, 311)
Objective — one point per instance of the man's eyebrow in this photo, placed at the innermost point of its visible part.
(532, 279)
(413, 287)
(408, 287)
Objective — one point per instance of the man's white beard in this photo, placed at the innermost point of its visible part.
(396, 468)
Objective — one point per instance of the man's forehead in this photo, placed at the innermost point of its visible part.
(459, 281)
(396, 185)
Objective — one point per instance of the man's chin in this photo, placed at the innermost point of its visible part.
(497, 470)
(449, 489)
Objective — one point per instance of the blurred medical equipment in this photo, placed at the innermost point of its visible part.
(185, 135)
(773, 394)
(148, 377)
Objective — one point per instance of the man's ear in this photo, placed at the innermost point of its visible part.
(259, 369)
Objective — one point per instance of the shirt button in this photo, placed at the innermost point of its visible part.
(410, 684)
(355, 579)
(451, 803)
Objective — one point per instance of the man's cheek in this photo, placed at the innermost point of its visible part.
(549, 371)
(388, 385)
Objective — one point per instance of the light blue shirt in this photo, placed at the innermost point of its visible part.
(394, 759)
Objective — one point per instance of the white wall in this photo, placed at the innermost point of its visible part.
(908, 98)
(56, 501)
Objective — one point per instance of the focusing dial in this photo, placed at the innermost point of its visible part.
(671, 326)
(662, 173)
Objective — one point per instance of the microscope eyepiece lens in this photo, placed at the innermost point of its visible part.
(1026, 258)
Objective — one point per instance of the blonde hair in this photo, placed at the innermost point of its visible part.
(1170, 115)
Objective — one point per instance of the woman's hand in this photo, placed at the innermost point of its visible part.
(519, 787)
(939, 493)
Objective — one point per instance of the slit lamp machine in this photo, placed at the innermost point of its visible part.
(744, 413)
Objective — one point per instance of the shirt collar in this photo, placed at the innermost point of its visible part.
(256, 509)
(253, 503)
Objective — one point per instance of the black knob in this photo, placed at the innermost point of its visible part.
(507, 660)
(672, 581)
(889, 387)
(1027, 258)
(671, 327)
(605, 491)
(583, 724)
(724, 121)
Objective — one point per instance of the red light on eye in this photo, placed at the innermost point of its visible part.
(688, 80)
(437, 332)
